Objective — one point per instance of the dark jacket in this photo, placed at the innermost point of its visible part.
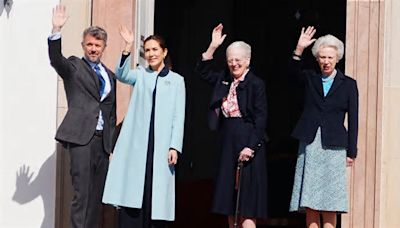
(82, 90)
(327, 112)
(250, 95)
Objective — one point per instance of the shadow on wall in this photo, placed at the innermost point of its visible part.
(6, 5)
(42, 186)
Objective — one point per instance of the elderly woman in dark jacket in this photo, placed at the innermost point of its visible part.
(238, 110)
(326, 146)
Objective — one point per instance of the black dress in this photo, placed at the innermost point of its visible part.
(234, 134)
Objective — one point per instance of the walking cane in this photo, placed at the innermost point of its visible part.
(237, 187)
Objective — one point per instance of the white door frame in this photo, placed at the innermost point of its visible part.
(144, 27)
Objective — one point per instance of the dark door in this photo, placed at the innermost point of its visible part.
(272, 29)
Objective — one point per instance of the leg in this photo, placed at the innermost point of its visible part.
(329, 219)
(159, 224)
(312, 218)
(79, 170)
(130, 217)
(248, 222)
(87, 184)
(98, 169)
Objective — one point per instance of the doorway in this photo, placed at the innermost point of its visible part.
(272, 29)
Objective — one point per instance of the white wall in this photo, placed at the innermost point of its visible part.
(28, 99)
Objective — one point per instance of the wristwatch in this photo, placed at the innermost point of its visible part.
(296, 56)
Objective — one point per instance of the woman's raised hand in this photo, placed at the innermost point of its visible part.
(126, 34)
(216, 40)
(217, 37)
(305, 39)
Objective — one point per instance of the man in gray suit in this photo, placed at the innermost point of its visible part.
(88, 126)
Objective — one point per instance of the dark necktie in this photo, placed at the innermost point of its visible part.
(102, 82)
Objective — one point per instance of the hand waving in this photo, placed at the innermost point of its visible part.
(306, 37)
(126, 34)
(217, 37)
(216, 40)
(59, 18)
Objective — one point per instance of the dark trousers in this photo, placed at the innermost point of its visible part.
(89, 165)
(134, 218)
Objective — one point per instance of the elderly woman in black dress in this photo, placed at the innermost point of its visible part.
(238, 110)
(326, 146)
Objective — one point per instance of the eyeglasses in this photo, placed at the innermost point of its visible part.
(232, 61)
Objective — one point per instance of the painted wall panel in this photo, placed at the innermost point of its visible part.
(28, 102)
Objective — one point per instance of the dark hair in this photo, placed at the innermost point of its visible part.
(97, 32)
(161, 42)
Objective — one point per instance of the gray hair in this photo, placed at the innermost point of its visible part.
(328, 41)
(97, 32)
(246, 48)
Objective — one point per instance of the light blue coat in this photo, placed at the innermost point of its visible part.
(125, 179)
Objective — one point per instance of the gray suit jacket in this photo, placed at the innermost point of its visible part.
(81, 86)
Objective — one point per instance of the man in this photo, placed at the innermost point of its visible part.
(88, 126)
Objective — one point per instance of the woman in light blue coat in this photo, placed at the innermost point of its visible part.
(141, 176)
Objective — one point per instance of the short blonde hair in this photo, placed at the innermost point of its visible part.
(328, 41)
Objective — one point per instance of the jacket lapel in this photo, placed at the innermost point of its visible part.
(110, 76)
(243, 84)
(94, 90)
(222, 90)
(336, 83)
(317, 84)
(240, 91)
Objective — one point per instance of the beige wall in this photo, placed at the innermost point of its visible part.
(372, 47)
(110, 15)
(364, 41)
(390, 167)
